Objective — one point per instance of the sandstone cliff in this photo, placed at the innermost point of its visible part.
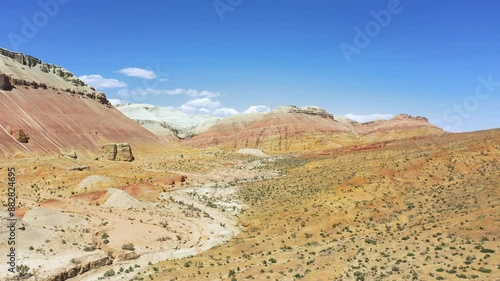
(44, 109)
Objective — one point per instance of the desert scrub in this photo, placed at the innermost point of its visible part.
(128, 246)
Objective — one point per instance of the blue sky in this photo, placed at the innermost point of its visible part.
(438, 59)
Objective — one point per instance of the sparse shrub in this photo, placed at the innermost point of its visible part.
(89, 248)
(128, 246)
(22, 270)
(484, 270)
(109, 273)
(484, 250)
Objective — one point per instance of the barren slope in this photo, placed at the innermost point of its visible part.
(414, 209)
(57, 111)
(283, 129)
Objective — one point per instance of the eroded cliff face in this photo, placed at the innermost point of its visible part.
(20, 58)
(44, 108)
(26, 70)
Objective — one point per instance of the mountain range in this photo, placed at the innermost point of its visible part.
(45, 108)
(285, 128)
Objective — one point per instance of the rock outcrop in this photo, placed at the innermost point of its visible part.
(128, 256)
(25, 70)
(70, 154)
(5, 84)
(310, 110)
(118, 152)
(81, 268)
(408, 116)
(20, 58)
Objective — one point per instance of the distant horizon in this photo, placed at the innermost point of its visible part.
(250, 110)
(358, 118)
(265, 109)
(365, 60)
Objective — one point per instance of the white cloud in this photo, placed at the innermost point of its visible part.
(201, 105)
(368, 118)
(138, 72)
(203, 102)
(194, 110)
(139, 92)
(116, 102)
(257, 108)
(99, 82)
(223, 112)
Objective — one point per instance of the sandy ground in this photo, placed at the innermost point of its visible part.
(198, 233)
(252, 151)
(163, 222)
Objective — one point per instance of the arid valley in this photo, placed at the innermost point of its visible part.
(384, 211)
(249, 140)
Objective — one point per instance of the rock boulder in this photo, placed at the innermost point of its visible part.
(18, 134)
(118, 152)
(128, 256)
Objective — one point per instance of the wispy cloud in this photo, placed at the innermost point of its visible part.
(138, 72)
(208, 106)
(159, 92)
(369, 117)
(192, 93)
(99, 82)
